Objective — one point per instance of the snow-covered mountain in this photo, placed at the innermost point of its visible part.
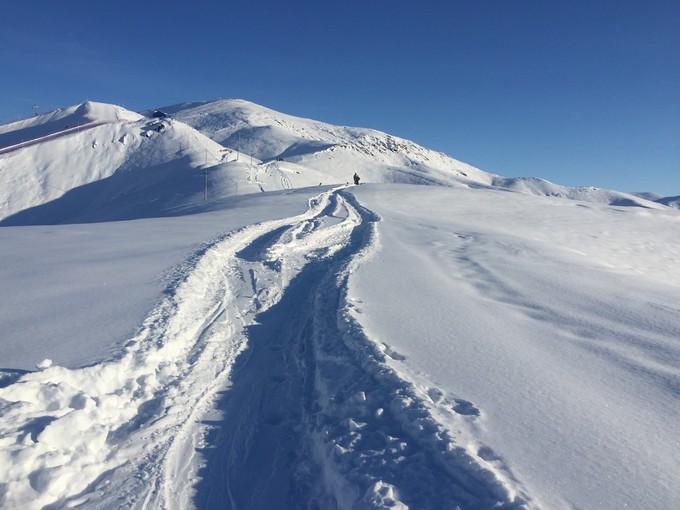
(331, 150)
(655, 197)
(477, 342)
(380, 157)
(98, 161)
(95, 161)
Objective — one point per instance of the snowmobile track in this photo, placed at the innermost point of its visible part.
(253, 385)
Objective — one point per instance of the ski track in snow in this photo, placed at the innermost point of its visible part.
(251, 385)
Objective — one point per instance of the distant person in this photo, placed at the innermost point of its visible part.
(356, 178)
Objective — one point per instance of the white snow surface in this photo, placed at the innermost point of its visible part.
(553, 325)
(479, 343)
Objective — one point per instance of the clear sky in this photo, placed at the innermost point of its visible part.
(579, 92)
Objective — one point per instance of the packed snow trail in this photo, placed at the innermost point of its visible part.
(250, 386)
(313, 417)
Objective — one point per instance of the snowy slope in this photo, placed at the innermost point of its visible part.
(656, 197)
(76, 166)
(541, 187)
(390, 347)
(116, 166)
(60, 122)
(551, 325)
(335, 151)
(670, 201)
(93, 284)
(377, 156)
(483, 342)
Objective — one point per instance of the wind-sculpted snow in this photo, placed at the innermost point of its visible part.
(550, 327)
(250, 385)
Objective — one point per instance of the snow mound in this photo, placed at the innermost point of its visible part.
(541, 187)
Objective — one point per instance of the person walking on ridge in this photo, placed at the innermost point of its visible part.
(356, 178)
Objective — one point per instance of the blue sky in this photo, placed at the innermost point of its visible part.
(582, 93)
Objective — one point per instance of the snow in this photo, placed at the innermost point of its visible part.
(61, 120)
(108, 170)
(479, 342)
(93, 284)
(551, 324)
(336, 151)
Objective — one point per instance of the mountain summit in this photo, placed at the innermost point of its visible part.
(336, 151)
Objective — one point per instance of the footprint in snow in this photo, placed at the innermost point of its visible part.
(488, 454)
(435, 394)
(465, 408)
(393, 354)
(459, 405)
